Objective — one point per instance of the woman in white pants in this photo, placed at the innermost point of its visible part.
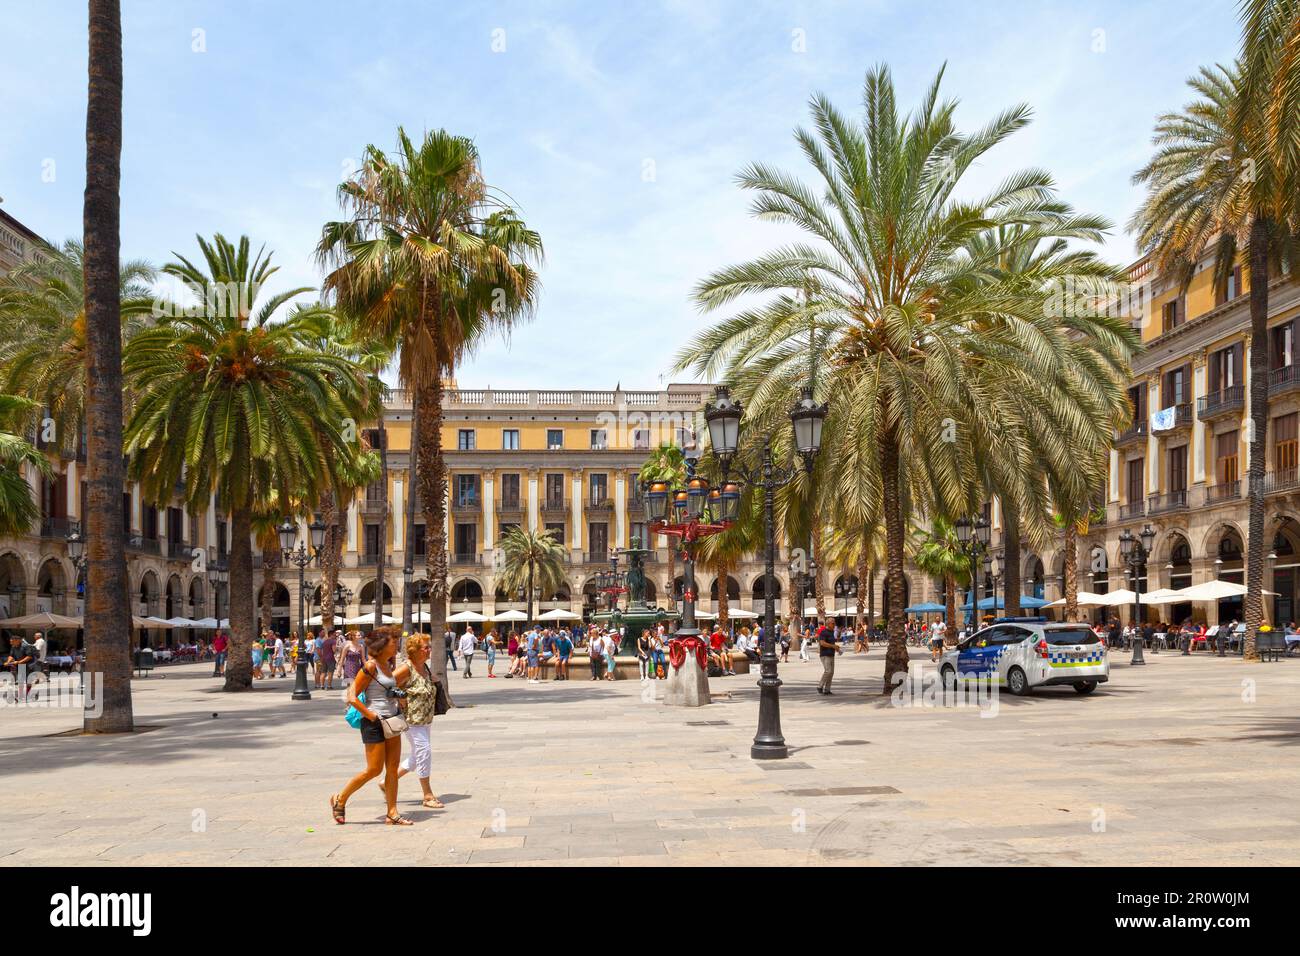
(805, 641)
(416, 680)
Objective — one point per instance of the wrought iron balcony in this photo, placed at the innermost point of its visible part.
(137, 542)
(600, 504)
(1132, 509)
(466, 504)
(1222, 403)
(462, 560)
(555, 506)
(511, 505)
(596, 557)
(58, 527)
(1163, 504)
(180, 550)
(1136, 432)
(1182, 419)
(1284, 379)
(1281, 481)
(1223, 491)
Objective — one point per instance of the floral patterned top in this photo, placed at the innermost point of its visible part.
(421, 695)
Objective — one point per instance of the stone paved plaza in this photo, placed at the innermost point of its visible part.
(1186, 761)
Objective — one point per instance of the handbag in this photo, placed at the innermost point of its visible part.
(440, 703)
(354, 716)
(393, 726)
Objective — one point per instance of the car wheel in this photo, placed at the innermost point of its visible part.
(1017, 682)
(1085, 687)
(948, 678)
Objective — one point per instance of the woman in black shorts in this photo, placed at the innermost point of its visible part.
(383, 699)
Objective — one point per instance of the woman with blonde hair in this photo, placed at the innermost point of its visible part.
(417, 680)
(376, 695)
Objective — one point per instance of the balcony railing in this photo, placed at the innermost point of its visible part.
(597, 557)
(466, 504)
(58, 527)
(1222, 402)
(137, 542)
(462, 560)
(554, 506)
(1163, 504)
(180, 550)
(1284, 379)
(1137, 431)
(1132, 509)
(1281, 480)
(1223, 491)
(600, 504)
(514, 503)
(1182, 418)
(372, 559)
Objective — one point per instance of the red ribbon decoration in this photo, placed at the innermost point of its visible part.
(679, 647)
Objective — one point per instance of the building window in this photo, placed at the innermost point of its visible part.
(1231, 288)
(467, 491)
(510, 439)
(1175, 386)
(466, 540)
(1137, 397)
(638, 532)
(599, 486)
(598, 539)
(556, 530)
(555, 490)
(1173, 314)
(373, 546)
(465, 440)
(510, 491)
(1225, 455)
(641, 439)
(554, 438)
(1177, 469)
(1282, 342)
(1136, 482)
(599, 441)
(1285, 457)
(1225, 368)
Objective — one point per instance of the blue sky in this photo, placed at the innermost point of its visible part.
(617, 128)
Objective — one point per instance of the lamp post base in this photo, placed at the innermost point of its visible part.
(688, 685)
(300, 691)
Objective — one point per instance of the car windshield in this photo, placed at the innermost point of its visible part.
(1070, 635)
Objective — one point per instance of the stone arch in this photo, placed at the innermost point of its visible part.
(733, 589)
(148, 592)
(198, 593)
(367, 594)
(174, 598)
(52, 585)
(13, 584)
(466, 591)
(1213, 538)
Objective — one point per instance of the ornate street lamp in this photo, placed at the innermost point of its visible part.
(806, 418)
(1133, 551)
(299, 557)
(77, 555)
(973, 538)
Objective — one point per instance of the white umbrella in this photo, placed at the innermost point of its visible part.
(559, 614)
(41, 620)
(1163, 596)
(1085, 599)
(741, 614)
(1214, 591)
(466, 617)
(179, 622)
(369, 618)
(510, 616)
(211, 623)
(705, 616)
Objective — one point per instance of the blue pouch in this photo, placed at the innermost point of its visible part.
(354, 716)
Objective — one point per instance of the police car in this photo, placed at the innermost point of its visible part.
(1023, 653)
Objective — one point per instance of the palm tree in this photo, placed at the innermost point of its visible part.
(18, 508)
(531, 560)
(431, 259)
(232, 402)
(920, 346)
(108, 643)
(1221, 178)
(723, 552)
(43, 331)
(941, 557)
(666, 463)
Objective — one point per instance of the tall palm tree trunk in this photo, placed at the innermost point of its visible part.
(408, 535)
(896, 650)
(819, 579)
(270, 561)
(724, 599)
(329, 559)
(382, 558)
(432, 472)
(1260, 228)
(950, 608)
(1071, 610)
(1010, 558)
(108, 643)
(862, 594)
(239, 667)
(871, 597)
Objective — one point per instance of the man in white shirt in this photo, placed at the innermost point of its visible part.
(39, 643)
(467, 649)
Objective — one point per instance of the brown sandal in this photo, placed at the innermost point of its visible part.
(433, 803)
(397, 821)
(339, 810)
